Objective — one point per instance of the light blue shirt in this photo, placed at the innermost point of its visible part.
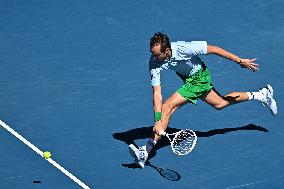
(184, 60)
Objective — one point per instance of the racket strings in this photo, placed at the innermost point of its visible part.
(184, 142)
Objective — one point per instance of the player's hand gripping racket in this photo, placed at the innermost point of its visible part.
(182, 142)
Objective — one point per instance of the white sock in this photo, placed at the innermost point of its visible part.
(255, 96)
(150, 144)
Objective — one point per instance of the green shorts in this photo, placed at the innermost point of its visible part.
(196, 86)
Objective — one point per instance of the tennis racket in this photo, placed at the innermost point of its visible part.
(182, 142)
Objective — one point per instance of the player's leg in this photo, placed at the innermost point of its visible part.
(169, 106)
(217, 101)
(264, 95)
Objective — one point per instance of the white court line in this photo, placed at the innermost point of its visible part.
(34, 148)
(255, 182)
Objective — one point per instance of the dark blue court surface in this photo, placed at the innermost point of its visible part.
(74, 81)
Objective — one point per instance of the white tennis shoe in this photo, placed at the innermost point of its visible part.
(268, 99)
(140, 155)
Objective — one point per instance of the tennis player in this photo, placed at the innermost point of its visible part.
(183, 58)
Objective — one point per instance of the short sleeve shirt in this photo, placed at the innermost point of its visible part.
(184, 60)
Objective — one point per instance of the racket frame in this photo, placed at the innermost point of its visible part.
(163, 133)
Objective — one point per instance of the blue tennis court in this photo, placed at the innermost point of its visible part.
(74, 81)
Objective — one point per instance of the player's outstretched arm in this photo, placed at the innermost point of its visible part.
(244, 63)
(157, 105)
(157, 98)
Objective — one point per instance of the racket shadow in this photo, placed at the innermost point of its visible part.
(130, 136)
(168, 174)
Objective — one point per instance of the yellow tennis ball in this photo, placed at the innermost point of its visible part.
(46, 154)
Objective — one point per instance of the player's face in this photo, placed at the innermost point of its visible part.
(158, 55)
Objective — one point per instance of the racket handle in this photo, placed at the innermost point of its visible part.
(162, 133)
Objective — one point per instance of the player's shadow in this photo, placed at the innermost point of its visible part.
(130, 136)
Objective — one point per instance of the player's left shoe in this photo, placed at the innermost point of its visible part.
(140, 155)
(268, 99)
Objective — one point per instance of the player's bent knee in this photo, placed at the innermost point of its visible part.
(220, 106)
